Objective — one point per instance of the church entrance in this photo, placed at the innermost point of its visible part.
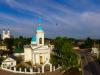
(41, 59)
(46, 68)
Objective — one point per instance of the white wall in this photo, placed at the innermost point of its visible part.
(27, 54)
(45, 53)
(40, 34)
(37, 58)
(9, 63)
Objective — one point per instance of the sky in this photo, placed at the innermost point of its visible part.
(71, 18)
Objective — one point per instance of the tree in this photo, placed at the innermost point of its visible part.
(88, 43)
(64, 53)
(9, 42)
(21, 41)
(1, 59)
(98, 43)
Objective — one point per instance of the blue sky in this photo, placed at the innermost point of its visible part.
(72, 18)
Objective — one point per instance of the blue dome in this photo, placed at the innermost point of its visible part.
(34, 39)
(39, 28)
(40, 20)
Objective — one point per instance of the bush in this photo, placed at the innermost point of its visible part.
(1, 59)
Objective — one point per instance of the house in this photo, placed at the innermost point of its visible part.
(3, 47)
(9, 62)
(95, 51)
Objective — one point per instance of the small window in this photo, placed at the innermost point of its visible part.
(40, 41)
(11, 63)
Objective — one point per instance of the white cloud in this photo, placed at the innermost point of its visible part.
(15, 19)
(92, 18)
(69, 22)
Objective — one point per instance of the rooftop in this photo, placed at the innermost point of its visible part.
(39, 28)
(34, 39)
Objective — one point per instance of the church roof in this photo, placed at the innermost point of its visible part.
(39, 28)
(8, 59)
(34, 39)
(40, 20)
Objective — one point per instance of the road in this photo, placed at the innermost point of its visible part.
(89, 66)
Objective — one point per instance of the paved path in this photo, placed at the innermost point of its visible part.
(90, 67)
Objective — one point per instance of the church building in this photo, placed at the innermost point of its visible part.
(5, 34)
(37, 52)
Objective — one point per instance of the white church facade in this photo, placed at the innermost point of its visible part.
(37, 52)
(5, 34)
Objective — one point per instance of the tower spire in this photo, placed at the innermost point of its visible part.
(40, 33)
(40, 21)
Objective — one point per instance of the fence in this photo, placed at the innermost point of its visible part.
(28, 70)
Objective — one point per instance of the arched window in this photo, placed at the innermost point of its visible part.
(40, 41)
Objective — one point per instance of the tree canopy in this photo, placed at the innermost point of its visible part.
(14, 44)
(88, 43)
(9, 42)
(63, 53)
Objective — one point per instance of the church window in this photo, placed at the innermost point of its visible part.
(41, 60)
(11, 63)
(40, 41)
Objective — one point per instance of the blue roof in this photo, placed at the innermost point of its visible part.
(39, 28)
(34, 39)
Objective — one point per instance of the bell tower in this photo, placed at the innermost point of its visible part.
(5, 34)
(39, 34)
